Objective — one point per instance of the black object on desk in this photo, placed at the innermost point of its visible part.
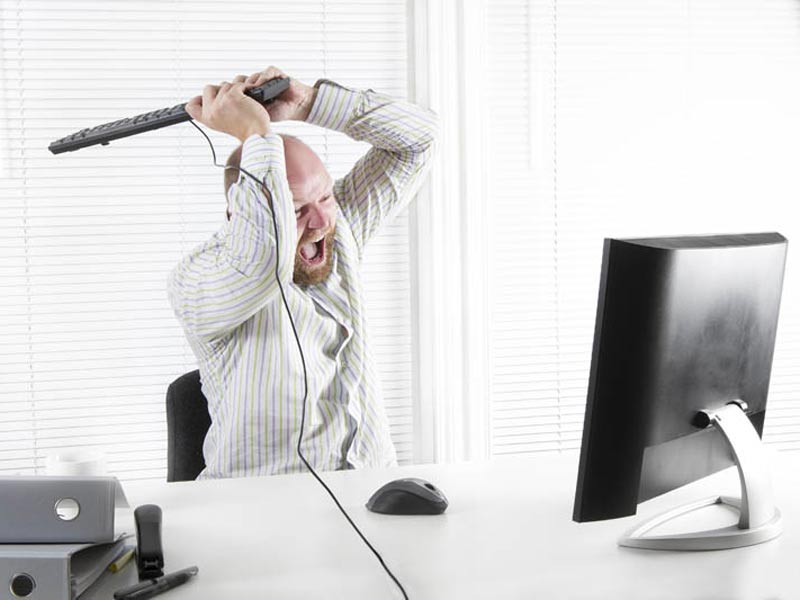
(149, 555)
(409, 496)
(154, 587)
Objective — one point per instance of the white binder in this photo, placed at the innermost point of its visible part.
(59, 510)
(54, 571)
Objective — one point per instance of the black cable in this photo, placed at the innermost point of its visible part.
(302, 360)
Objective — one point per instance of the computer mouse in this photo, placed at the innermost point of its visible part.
(409, 496)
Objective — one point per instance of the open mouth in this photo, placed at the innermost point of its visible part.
(313, 253)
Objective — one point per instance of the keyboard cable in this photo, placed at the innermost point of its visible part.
(311, 470)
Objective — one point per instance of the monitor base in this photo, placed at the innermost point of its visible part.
(712, 539)
(759, 519)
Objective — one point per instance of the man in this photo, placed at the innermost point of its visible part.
(227, 299)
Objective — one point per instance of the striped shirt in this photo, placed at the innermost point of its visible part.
(226, 297)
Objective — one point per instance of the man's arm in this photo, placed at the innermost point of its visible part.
(402, 134)
(226, 280)
(403, 138)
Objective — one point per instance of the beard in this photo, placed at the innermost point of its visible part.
(312, 274)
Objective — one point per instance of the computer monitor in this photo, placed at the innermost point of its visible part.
(683, 346)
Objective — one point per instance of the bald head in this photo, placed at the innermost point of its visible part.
(314, 207)
(304, 169)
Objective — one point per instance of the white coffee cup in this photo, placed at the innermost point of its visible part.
(76, 462)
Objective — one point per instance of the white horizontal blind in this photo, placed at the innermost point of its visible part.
(655, 118)
(528, 411)
(89, 343)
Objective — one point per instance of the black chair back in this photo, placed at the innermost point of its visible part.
(187, 424)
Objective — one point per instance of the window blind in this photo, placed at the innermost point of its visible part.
(620, 119)
(88, 238)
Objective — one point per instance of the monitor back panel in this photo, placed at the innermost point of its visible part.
(683, 324)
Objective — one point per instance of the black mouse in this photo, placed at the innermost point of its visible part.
(410, 496)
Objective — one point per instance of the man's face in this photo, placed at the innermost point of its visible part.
(315, 209)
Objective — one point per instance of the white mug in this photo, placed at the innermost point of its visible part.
(76, 463)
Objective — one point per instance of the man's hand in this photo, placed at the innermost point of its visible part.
(225, 108)
(293, 104)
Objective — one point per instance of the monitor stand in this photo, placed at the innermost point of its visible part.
(759, 519)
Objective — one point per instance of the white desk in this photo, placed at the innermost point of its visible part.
(507, 534)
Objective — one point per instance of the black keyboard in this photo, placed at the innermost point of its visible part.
(103, 134)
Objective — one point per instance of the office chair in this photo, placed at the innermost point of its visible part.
(187, 424)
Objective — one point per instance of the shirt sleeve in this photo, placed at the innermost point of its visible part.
(403, 138)
(227, 279)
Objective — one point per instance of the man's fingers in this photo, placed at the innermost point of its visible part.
(237, 87)
(225, 108)
(269, 73)
(239, 79)
(194, 107)
(224, 90)
(209, 94)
